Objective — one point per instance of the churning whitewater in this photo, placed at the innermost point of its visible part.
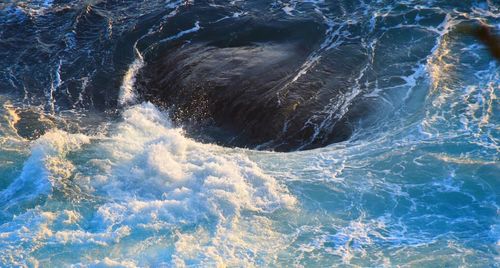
(254, 133)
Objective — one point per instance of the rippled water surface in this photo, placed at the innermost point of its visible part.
(94, 175)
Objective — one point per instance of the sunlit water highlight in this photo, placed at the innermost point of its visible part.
(419, 188)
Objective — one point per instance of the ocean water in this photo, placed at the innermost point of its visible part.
(92, 175)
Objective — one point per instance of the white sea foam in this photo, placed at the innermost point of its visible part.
(128, 95)
(160, 180)
(180, 34)
(45, 168)
(143, 195)
(127, 92)
(108, 263)
(151, 178)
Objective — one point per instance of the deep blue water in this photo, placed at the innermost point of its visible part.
(93, 175)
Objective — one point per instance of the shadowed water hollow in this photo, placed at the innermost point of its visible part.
(253, 83)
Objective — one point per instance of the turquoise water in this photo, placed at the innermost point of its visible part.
(417, 185)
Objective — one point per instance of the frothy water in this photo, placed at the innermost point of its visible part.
(200, 203)
(127, 92)
(416, 185)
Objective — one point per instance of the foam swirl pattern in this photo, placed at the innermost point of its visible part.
(92, 174)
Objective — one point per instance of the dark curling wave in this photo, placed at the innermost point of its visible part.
(250, 73)
(255, 84)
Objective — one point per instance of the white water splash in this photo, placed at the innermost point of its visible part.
(149, 178)
(128, 95)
